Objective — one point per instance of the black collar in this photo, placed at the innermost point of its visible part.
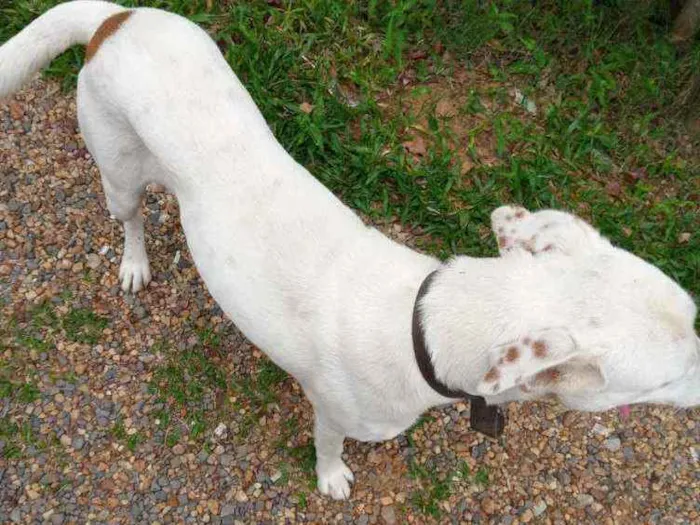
(486, 419)
(421, 350)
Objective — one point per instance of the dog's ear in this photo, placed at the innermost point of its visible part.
(542, 233)
(540, 362)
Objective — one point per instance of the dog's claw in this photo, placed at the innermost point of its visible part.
(335, 481)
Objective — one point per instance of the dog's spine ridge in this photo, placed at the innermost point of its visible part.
(47, 37)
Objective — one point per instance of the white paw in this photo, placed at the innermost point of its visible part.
(334, 481)
(134, 274)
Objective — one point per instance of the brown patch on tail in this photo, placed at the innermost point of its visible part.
(110, 26)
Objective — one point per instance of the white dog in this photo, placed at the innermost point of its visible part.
(561, 312)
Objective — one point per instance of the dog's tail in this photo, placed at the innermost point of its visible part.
(47, 37)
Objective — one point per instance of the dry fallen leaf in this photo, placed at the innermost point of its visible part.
(613, 189)
(416, 146)
(445, 108)
(684, 237)
(306, 107)
(467, 166)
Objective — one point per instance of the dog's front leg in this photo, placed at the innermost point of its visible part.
(334, 476)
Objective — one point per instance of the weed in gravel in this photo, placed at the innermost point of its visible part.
(83, 326)
(482, 477)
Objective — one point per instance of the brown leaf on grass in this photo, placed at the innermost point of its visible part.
(416, 146)
(636, 174)
(613, 188)
(445, 108)
(684, 237)
(305, 107)
(417, 54)
(466, 167)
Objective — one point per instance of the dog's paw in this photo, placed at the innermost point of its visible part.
(334, 480)
(134, 274)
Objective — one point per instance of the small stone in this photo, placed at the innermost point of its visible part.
(488, 506)
(600, 430)
(213, 506)
(140, 312)
(78, 443)
(584, 500)
(66, 440)
(93, 261)
(77, 267)
(16, 515)
(57, 519)
(179, 449)
(80, 368)
(32, 494)
(613, 444)
(276, 476)
(388, 515)
(241, 496)
(227, 510)
(220, 430)
(16, 111)
(527, 516)
(539, 508)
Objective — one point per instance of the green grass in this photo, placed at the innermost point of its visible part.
(83, 326)
(432, 489)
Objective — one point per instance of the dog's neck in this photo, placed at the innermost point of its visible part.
(473, 303)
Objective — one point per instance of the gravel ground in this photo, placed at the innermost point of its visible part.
(121, 409)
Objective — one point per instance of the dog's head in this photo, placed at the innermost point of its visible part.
(624, 334)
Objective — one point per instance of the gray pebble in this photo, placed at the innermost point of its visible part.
(78, 443)
(140, 312)
(613, 444)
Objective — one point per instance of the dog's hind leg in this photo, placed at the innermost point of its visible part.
(124, 163)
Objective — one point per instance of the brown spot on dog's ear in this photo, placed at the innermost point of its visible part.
(106, 29)
(529, 245)
(512, 354)
(492, 375)
(539, 348)
(527, 341)
(520, 214)
(548, 248)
